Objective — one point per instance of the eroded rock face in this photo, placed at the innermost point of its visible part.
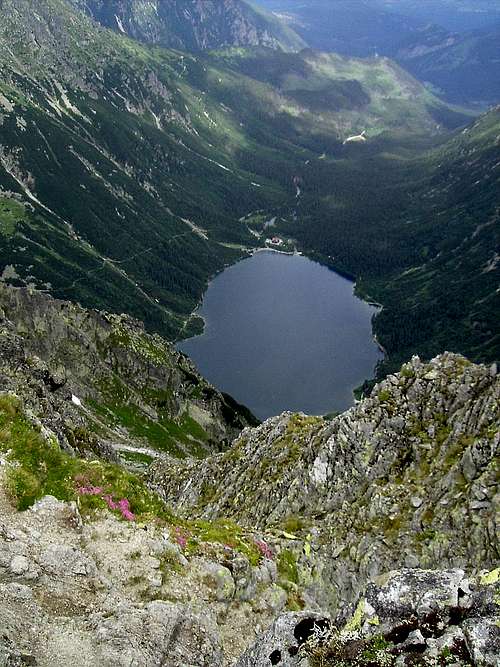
(408, 617)
(191, 24)
(76, 368)
(405, 478)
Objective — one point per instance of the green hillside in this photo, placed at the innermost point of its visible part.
(420, 231)
(449, 298)
(126, 169)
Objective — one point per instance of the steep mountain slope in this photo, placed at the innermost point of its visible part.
(421, 238)
(408, 477)
(461, 67)
(192, 26)
(449, 297)
(125, 169)
(96, 569)
(100, 146)
(105, 386)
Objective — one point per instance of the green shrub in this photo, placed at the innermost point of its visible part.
(287, 566)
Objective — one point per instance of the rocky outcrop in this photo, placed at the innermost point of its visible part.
(192, 25)
(99, 380)
(115, 593)
(408, 477)
(408, 617)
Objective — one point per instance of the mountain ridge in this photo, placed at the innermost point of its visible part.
(361, 538)
(192, 26)
(460, 67)
(447, 46)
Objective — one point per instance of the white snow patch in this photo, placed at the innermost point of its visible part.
(356, 138)
(221, 165)
(119, 24)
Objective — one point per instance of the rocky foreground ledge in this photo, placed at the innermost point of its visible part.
(368, 540)
(114, 594)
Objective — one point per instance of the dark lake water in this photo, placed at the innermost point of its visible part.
(284, 333)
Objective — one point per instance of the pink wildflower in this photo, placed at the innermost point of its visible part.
(124, 507)
(180, 537)
(264, 549)
(110, 502)
(90, 490)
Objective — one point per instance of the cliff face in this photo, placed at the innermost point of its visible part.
(192, 25)
(106, 574)
(134, 392)
(406, 477)
(365, 541)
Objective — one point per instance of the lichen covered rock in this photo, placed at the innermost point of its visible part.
(409, 618)
(406, 478)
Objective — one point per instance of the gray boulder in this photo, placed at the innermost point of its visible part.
(483, 641)
(160, 633)
(281, 644)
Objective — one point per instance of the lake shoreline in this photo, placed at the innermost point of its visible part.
(281, 303)
(314, 258)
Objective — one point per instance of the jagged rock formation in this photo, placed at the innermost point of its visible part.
(407, 477)
(100, 382)
(410, 617)
(113, 594)
(192, 24)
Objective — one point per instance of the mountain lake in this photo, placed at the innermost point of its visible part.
(284, 333)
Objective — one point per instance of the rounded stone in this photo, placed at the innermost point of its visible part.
(19, 565)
